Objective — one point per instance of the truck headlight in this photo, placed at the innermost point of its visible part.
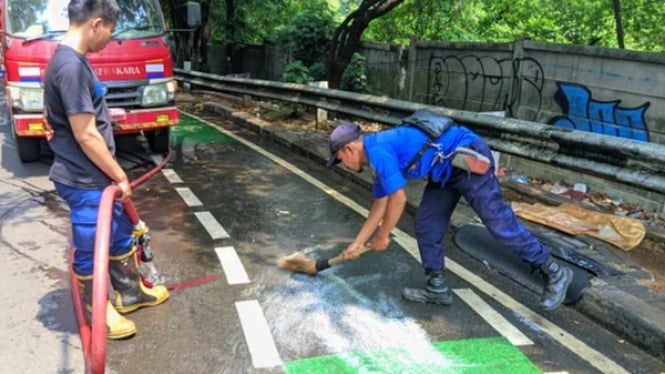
(27, 99)
(159, 93)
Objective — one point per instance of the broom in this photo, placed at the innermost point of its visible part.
(300, 262)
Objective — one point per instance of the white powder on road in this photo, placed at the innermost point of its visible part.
(328, 313)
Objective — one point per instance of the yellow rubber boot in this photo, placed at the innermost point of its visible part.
(130, 292)
(117, 326)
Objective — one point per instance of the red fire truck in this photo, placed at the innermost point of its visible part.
(136, 68)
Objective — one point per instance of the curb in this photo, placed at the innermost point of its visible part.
(621, 311)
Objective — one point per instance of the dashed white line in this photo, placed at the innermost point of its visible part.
(257, 334)
(188, 196)
(211, 225)
(496, 320)
(233, 268)
(171, 176)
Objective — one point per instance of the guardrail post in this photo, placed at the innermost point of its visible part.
(321, 114)
(247, 100)
(187, 66)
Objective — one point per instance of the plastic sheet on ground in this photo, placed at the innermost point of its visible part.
(622, 232)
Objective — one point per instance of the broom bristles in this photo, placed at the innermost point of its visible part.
(298, 262)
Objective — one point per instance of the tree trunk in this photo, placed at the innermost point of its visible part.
(346, 39)
(619, 26)
(203, 35)
(231, 36)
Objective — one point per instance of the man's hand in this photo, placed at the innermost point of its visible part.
(125, 190)
(351, 252)
(379, 243)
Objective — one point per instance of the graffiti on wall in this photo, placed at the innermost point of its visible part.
(485, 83)
(603, 117)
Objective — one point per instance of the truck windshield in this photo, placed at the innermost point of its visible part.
(47, 19)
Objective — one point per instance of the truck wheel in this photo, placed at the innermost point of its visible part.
(158, 140)
(28, 148)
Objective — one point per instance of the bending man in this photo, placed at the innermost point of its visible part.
(406, 152)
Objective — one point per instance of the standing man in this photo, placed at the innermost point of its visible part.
(84, 162)
(404, 153)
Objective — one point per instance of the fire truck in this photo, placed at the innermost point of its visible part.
(136, 68)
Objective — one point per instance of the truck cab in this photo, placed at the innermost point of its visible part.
(136, 68)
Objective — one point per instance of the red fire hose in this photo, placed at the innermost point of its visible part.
(93, 336)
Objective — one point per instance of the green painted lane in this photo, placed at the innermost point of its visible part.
(192, 130)
(482, 356)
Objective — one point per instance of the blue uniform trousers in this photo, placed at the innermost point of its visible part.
(483, 193)
(84, 208)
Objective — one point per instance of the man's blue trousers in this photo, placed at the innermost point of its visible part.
(84, 208)
(483, 193)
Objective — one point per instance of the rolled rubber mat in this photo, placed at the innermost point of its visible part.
(477, 242)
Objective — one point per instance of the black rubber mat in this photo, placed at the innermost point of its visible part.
(573, 257)
(478, 243)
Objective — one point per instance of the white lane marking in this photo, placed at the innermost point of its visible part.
(188, 196)
(578, 347)
(233, 268)
(211, 225)
(496, 320)
(171, 176)
(257, 334)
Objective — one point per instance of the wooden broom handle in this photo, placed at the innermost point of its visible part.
(361, 251)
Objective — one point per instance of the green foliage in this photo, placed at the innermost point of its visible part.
(318, 71)
(307, 36)
(644, 24)
(354, 77)
(588, 22)
(297, 72)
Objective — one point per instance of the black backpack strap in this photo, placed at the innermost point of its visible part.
(420, 154)
(432, 124)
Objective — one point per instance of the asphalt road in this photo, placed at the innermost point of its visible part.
(228, 206)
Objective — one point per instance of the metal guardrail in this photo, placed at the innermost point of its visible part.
(627, 161)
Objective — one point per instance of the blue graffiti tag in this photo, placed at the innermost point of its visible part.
(583, 113)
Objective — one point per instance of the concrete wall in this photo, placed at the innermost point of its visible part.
(467, 76)
(614, 92)
(618, 93)
(386, 74)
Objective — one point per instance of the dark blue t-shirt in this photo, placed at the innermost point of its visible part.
(390, 151)
(70, 87)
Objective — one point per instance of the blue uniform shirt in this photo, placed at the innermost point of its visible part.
(389, 153)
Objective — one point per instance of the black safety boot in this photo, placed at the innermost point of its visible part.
(557, 279)
(117, 326)
(130, 292)
(436, 290)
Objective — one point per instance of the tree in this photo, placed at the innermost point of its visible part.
(451, 20)
(346, 38)
(594, 22)
(619, 26)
